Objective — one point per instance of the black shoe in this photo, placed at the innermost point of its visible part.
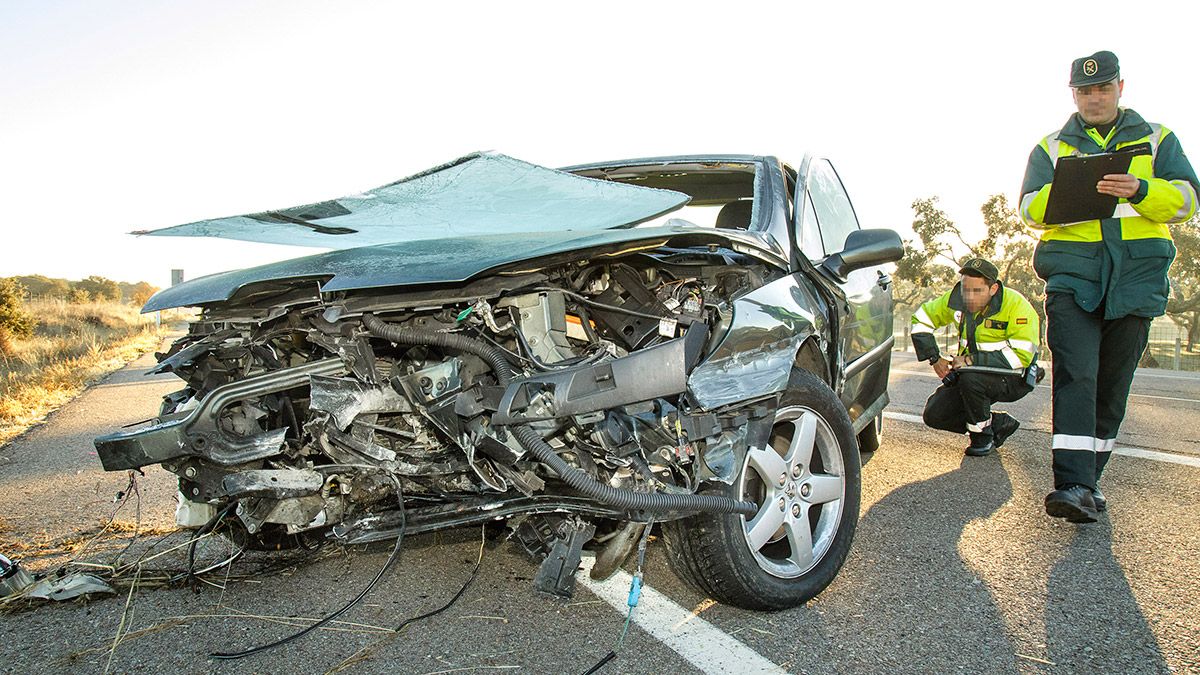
(980, 450)
(1003, 426)
(1073, 503)
(1099, 500)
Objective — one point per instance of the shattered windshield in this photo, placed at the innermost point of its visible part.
(480, 194)
(721, 192)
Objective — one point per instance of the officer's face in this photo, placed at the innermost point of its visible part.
(1097, 103)
(977, 292)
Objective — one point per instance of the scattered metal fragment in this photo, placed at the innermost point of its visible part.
(68, 587)
(13, 578)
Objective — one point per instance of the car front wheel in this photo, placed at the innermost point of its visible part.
(806, 482)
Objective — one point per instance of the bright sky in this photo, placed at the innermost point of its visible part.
(117, 116)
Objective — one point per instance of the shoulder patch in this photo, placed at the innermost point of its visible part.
(1021, 321)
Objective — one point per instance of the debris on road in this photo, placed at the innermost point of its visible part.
(69, 587)
(13, 578)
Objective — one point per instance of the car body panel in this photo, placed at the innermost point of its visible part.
(864, 330)
(756, 355)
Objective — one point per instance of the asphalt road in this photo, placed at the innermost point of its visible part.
(954, 569)
(1163, 410)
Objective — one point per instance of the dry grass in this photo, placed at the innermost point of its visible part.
(72, 345)
(38, 550)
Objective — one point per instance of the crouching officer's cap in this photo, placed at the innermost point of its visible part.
(978, 267)
(1098, 68)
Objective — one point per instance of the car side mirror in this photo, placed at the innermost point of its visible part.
(865, 248)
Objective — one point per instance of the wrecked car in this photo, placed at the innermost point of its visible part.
(698, 342)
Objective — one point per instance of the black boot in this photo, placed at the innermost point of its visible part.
(1003, 426)
(1073, 503)
(981, 444)
(1099, 500)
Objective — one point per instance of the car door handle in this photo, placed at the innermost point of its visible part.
(884, 280)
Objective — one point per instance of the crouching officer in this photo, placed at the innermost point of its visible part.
(996, 360)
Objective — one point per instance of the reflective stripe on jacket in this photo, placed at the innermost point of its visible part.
(1122, 260)
(1006, 331)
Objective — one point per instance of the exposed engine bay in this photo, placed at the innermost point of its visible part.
(557, 398)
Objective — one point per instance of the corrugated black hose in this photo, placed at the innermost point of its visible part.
(582, 482)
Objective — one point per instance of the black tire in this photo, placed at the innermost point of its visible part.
(871, 435)
(714, 552)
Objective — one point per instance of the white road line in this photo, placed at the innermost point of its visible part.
(1141, 453)
(136, 383)
(1161, 398)
(920, 373)
(904, 417)
(699, 642)
(1140, 372)
(1157, 456)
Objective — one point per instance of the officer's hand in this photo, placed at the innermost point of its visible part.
(941, 367)
(960, 361)
(1118, 185)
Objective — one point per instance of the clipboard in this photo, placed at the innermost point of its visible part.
(1073, 196)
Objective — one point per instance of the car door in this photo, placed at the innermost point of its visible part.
(825, 218)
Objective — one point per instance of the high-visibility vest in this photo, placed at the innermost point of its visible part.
(1005, 334)
(1121, 260)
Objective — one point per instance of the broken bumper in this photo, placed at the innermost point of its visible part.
(197, 434)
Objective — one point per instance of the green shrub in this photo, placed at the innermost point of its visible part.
(99, 288)
(79, 296)
(13, 318)
(8, 346)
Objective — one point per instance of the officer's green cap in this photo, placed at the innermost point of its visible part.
(980, 267)
(1098, 68)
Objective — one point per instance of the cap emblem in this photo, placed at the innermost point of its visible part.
(1090, 67)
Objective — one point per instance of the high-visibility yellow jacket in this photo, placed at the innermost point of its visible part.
(1121, 261)
(1003, 336)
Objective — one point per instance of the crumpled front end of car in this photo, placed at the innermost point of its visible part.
(566, 390)
(579, 384)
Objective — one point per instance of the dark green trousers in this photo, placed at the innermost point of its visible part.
(966, 405)
(1094, 361)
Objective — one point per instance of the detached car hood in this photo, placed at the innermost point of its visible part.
(479, 194)
(444, 261)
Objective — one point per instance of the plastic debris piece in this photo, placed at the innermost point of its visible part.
(69, 587)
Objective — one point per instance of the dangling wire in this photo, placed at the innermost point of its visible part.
(474, 573)
(364, 653)
(635, 594)
(392, 558)
(205, 530)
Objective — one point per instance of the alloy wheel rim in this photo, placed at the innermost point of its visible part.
(799, 481)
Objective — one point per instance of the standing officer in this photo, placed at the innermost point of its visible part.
(997, 350)
(1105, 279)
